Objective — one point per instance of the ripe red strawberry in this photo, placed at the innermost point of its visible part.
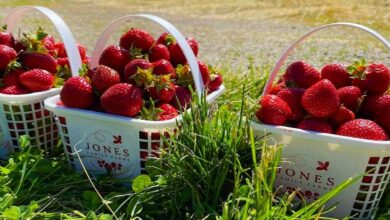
(137, 39)
(177, 56)
(350, 97)
(43, 61)
(381, 110)
(60, 47)
(182, 98)
(6, 38)
(7, 55)
(19, 46)
(104, 77)
(367, 107)
(163, 90)
(293, 96)
(164, 67)
(362, 128)
(37, 80)
(343, 115)
(122, 99)
(373, 79)
(49, 43)
(321, 100)
(205, 72)
(63, 61)
(12, 78)
(301, 74)
(167, 112)
(115, 57)
(82, 50)
(159, 52)
(336, 73)
(273, 110)
(138, 72)
(316, 124)
(14, 90)
(277, 88)
(215, 83)
(162, 39)
(77, 93)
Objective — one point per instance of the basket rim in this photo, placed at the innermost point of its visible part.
(28, 97)
(51, 105)
(330, 138)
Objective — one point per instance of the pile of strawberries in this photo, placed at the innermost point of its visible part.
(142, 77)
(345, 100)
(36, 62)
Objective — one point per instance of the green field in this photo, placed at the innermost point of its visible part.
(215, 169)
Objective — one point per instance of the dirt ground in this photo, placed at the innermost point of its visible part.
(228, 31)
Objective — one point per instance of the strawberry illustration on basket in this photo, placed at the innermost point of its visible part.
(323, 165)
(117, 139)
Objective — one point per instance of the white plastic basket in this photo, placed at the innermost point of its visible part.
(318, 162)
(120, 145)
(25, 114)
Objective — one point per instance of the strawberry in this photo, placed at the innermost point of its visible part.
(115, 57)
(292, 96)
(277, 88)
(321, 100)
(19, 47)
(6, 38)
(138, 71)
(164, 67)
(336, 73)
(381, 109)
(301, 74)
(163, 90)
(103, 78)
(182, 98)
(7, 55)
(49, 43)
(159, 52)
(60, 47)
(367, 107)
(316, 124)
(12, 78)
(205, 72)
(167, 112)
(137, 39)
(163, 38)
(63, 61)
(350, 97)
(37, 80)
(342, 115)
(35, 60)
(177, 56)
(215, 83)
(82, 50)
(14, 90)
(122, 99)
(362, 128)
(373, 78)
(77, 93)
(273, 110)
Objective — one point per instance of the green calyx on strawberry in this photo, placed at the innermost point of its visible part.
(184, 75)
(162, 89)
(33, 41)
(159, 112)
(143, 77)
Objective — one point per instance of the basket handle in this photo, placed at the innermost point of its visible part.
(63, 29)
(187, 51)
(289, 50)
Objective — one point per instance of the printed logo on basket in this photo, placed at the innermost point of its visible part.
(305, 176)
(104, 144)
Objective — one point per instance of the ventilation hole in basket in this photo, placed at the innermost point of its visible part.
(373, 160)
(20, 133)
(6, 108)
(366, 214)
(13, 134)
(155, 145)
(143, 155)
(361, 196)
(155, 136)
(15, 142)
(143, 135)
(375, 188)
(385, 160)
(367, 179)
(31, 133)
(64, 130)
(355, 213)
(358, 206)
(17, 149)
(382, 170)
(30, 125)
(48, 129)
(47, 120)
(372, 196)
(143, 145)
(368, 206)
(378, 179)
(39, 123)
(10, 126)
(364, 188)
(37, 106)
(15, 109)
(370, 169)
(8, 117)
(29, 116)
(46, 112)
(143, 171)
(143, 163)
(62, 120)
